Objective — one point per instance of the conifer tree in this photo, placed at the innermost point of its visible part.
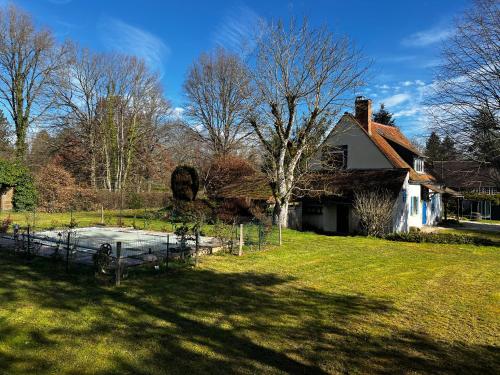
(383, 116)
(433, 148)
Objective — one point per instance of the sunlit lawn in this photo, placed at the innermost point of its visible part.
(316, 305)
(141, 218)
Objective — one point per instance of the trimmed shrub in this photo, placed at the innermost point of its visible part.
(442, 238)
(185, 183)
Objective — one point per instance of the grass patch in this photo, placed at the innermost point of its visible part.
(150, 219)
(316, 305)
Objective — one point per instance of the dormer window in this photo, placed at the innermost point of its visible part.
(334, 157)
(418, 165)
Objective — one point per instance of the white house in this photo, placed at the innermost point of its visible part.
(369, 155)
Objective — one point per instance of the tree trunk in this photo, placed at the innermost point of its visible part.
(21, 146)
(93, 162)
(280, 213)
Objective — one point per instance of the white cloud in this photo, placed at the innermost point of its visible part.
(239, 30)
(427, 37)
(177, 112)
(396, 59)
(131, 40)
(396, 99)
(407, 83)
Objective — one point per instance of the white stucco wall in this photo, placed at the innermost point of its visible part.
(361, 151)
(436, 202)
(403, 219)
(401, 209)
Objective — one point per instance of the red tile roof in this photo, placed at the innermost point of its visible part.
(381, 135)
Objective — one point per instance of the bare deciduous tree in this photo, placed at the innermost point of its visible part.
(29, 59)
(301, 81)
(374, 209)
(134, 108)
(467, 85)
(80, 87)
(217, 88)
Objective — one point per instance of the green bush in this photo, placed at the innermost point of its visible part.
(17, 176)
(443, 238)
(450, 222)
(25, 194)
(135, 200)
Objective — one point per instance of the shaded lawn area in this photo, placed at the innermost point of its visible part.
(316, 305)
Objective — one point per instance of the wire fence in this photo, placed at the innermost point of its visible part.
(137, 250)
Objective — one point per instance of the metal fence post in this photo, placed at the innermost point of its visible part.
(67, 251)
(118, 263)
(240, 248)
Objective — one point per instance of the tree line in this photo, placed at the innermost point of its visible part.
(106, 119)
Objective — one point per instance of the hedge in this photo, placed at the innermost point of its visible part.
(82, 199)
(442, 238)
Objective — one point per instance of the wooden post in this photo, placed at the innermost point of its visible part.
(118, 270)
(260, 234)
(29, 243)
(280, 237)
(102, 214)
(240, 248)
(168, 249)
(67, 251)
(197, 247)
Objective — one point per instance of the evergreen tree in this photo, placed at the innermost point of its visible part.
(433, 147)
(448, 149)
(383, 116)
(485, 138)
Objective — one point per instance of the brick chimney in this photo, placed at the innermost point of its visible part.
(363, 113)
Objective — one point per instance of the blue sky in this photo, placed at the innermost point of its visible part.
(401, 37)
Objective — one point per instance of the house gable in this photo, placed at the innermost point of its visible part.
(362, 152)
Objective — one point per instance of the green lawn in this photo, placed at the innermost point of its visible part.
(316, 305)
(143, 219)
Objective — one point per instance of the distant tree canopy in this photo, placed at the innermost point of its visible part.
(383, 116)
(17, 176)
(437, 149)
(464, 100)
(185, 183)
(485, 139)
(433, 147)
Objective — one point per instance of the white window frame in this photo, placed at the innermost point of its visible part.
(414, 205)
(418, 165)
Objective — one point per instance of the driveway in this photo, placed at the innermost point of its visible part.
(474, 225)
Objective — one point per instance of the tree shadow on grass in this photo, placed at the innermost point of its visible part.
(201, 321)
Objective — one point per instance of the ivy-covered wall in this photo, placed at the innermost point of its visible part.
(16, 175)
